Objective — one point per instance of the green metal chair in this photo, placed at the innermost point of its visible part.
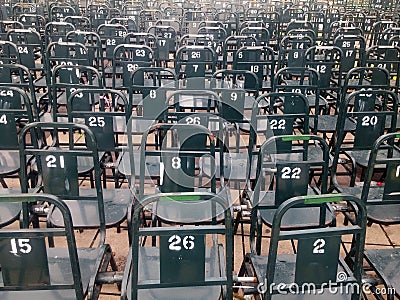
(56, 32)
(194, 65)
(302, 80)
(292, 50)
(380, 196)
(92, 42)
(353, 48)
(107, 121)
(317, 262)
(15, 112)
(19, 76)
(369, 111)
(9, 53)
(65, 79)
(231, 45)
(126, 59)
(327, 60)
(166, 43)
(185, 263)
(148, 92)
(30, 49)
(286, 168)
(261, 61)
(30, 269)
(58, 169)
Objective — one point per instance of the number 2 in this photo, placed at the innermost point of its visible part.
(319, 245)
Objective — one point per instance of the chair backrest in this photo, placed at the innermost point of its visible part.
(385, 154)
(365, 78)
(353, 48)
(106, 120)
(195, 63)
(373, 111)
(69, 78)
(257, 59)
(80, 22)
(33, 21)
(19, 76)
(148, 90)
(260, 33)
(58, 13)
(232, 44)
(319, 249)
(292, 50)
(57, 31)
(386, 57)
(290, 167)
(182, 249)
(15, 112)
(327, 60)
(9, 53)
(25, 263)
(129, 58)
(111, 36)
(57, 160)
(92, 42)
(178, 147)
(29, 45)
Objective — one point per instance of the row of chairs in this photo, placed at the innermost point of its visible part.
(176, 158)
(178, 164)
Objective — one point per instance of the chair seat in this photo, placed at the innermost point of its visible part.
(361, 157)
(61, 273)
(327, 123)
(302, 217)
(149, 269)
(85, 212)
(191, 211)
(9, 162)
(152, 165)
(386, 263)
(285, 273)
(383, 213)
(9, 211)
(234, 168)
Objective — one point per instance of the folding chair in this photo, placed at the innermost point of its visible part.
(317, 262)
(289, 166)
(260, 60)
(30, 269)
(189, 262)
(194, 64)
(15, 112)
(58, 166)
(231, 45)
(371, 111)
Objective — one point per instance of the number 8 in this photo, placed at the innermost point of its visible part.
(176, 162)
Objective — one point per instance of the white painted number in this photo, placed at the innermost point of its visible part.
(234, 96)
(319, 245)
(278, 124)
(3, 119)
(369, 121)
(194, 120)
(176, 162)
(140, 53)
(175, 242)
(288, 173)
(97, 122)
(51, 161)
(20, 246)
